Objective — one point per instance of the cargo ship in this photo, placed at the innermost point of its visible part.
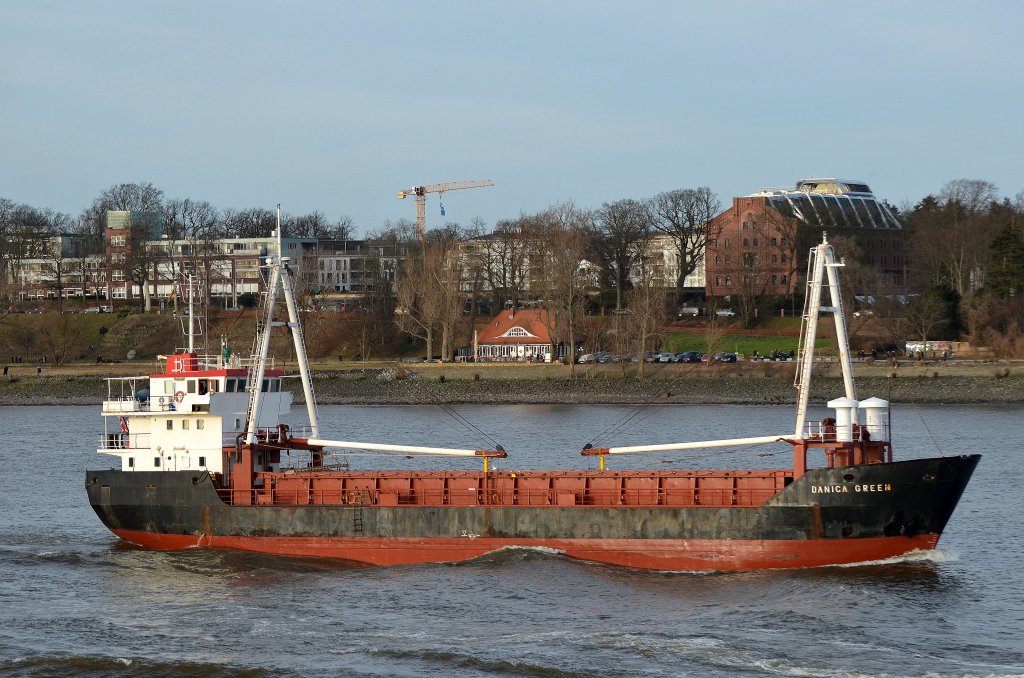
(206, 461)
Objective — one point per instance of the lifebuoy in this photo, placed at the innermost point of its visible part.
(179, 396)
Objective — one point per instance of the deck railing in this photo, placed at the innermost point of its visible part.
(123, 441)
(128, 405)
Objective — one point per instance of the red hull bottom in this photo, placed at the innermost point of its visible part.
(655, 554)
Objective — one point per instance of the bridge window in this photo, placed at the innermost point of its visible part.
(156, 462)
(200, 424)
(168, 387)
(229, 385)
(170, 424)
(202, 461)
(265, 386)
(184, 424)
(191, 383)
(131, 462)
(275, 385)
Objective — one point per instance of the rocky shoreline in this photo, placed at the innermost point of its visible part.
(380, 387)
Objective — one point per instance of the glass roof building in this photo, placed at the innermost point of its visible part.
(758, 246)
(832, 203)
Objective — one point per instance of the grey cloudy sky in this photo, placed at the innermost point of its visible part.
(335, 106)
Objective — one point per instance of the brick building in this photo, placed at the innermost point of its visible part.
(759, 245)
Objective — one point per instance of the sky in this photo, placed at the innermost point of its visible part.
(337, 106)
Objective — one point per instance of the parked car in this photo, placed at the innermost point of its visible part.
(688, 311)
(587, 358)
(689, 357)
(725, 357)
(666, 357)
(725, 313)
(651, 356)
(778, 355)
(604, 357)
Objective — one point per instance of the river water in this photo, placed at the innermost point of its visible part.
(75, 601)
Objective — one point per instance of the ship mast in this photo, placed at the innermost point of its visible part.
(280, 275)
(191, 319)
(821, 265)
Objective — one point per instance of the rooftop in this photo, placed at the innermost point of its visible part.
(825, 203)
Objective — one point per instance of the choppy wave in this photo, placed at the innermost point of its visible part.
(102, 667)
(442, 661)
(24, 557)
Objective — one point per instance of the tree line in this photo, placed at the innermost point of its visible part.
(964, 253)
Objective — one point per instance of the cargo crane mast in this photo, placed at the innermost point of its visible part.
(421, 198)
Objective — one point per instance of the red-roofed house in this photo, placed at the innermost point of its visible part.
(516, 336)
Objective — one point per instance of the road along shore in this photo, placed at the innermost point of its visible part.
(753, 383)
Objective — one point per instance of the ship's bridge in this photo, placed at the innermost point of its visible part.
(193, 409)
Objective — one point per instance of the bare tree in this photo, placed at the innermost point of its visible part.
(137, 197)
(145, 203)
(445, 273)
(60, 265)
(7, 209)
(622, 227)
(26, 234)
(473, 261)
(928, 314)
(312, 225)
(342, 229)
(646, 300)
(952, 233)
(506, 254)
(971, 196)
(192, 228)
(60, 336)
(420, 302)
(86, 247)
(560, 271)
(249, 223)
(686, 216)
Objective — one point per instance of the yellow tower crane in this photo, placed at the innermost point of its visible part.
(421, 198)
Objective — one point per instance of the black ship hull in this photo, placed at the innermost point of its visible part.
(827, 516)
